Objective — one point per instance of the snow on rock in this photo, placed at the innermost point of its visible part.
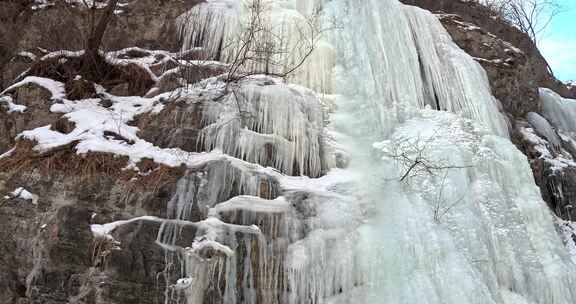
(97, 4)
(41, 4)
(105, 230)
(252, 204)
(559, 159)
(183, 283)
(62, 53)
(21, 193)
(54, 87)
(94, 121)
(28, 55)
(11, 106)
(204, 244)
(108, 130)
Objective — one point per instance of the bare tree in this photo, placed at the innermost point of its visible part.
(441, 205)
(263, 49)
(92, 59)
(416, 161)
(530, 16)
(261, 46)
(12, 15)
(257, 44)
(413, 155)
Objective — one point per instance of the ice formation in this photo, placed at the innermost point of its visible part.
(544, 129)
(236, 256)
(437, 205)
(560, 111)
(470, 227)
(272, 124)
(263, 36)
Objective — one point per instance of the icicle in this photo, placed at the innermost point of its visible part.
(408, 61)
(322, 265)
(274, 217)
(274, 125)
(210, 262)
(210, 25)
(284, 42)
(470, 228)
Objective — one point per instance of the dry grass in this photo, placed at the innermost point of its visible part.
(108, 74)
(64, 160)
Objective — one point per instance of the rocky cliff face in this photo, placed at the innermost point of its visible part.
(105, 225)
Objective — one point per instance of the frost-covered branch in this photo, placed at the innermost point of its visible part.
(441, 205)
(266, 47)
(413, 155)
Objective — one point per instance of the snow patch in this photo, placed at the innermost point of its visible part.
(54, 87)
(12, 107)
(21, 193)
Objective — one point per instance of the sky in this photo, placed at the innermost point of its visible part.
(558, 43)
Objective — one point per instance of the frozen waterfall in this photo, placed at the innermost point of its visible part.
(436, 206)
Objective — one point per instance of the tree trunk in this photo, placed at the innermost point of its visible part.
(91, 64)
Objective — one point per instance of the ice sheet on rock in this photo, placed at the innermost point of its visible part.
(214, 181)
(413, 62)
(222, 252)
(325, 262)
(478, 208)
(204, 244)
(276, 219)
(543, 128)
(558, 158)
(559, 111)
(54, 87)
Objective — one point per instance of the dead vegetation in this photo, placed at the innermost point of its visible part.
(67, 67)
(65, 161)
(101, 249)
